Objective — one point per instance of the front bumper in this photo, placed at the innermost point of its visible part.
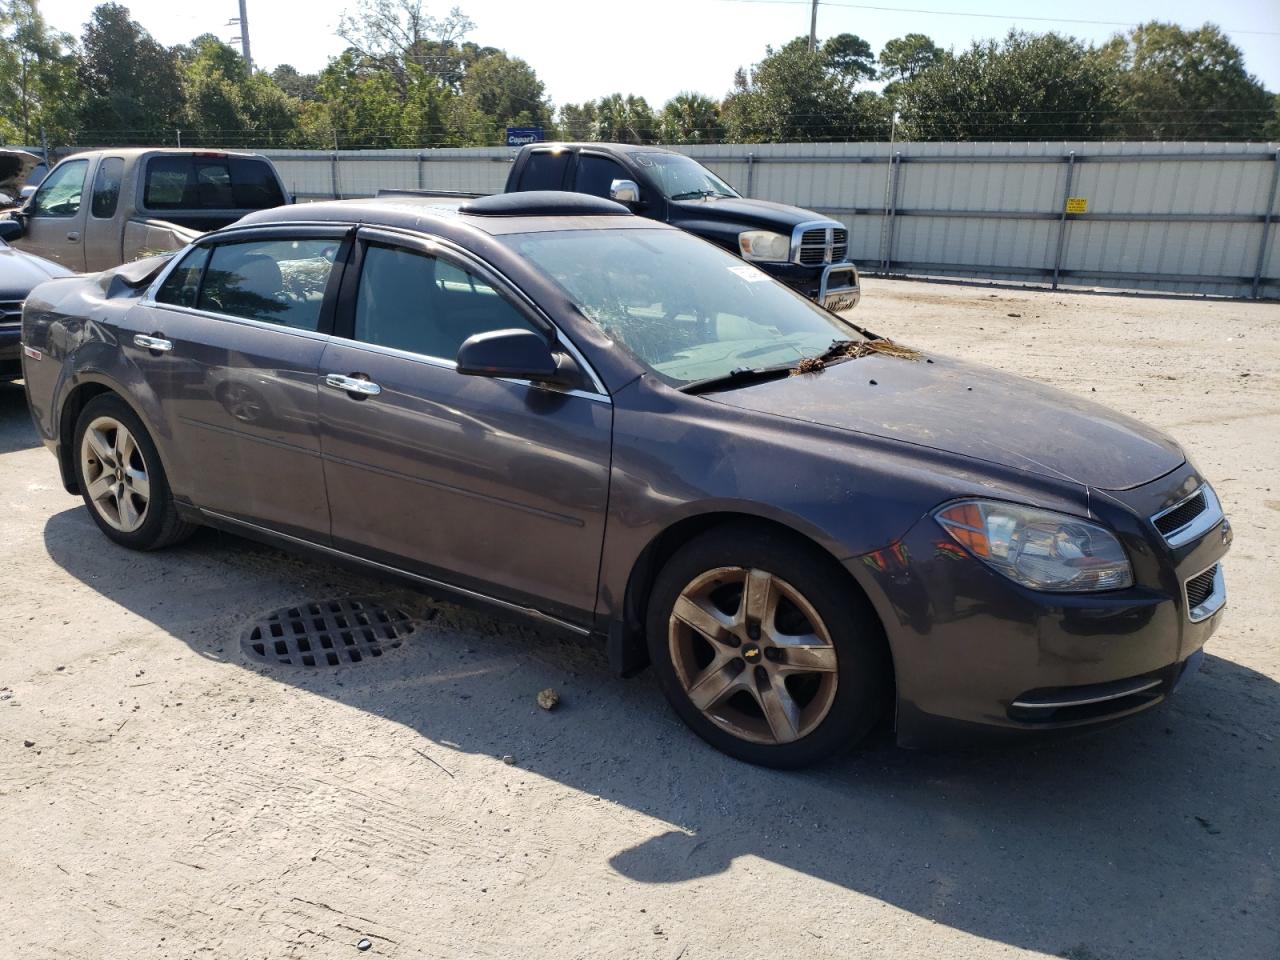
(834, 285)
(976, 654)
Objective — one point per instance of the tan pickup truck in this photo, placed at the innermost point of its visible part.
(101, 208)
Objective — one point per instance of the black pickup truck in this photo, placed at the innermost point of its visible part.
(806, 251)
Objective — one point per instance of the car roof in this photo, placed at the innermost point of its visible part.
(428, 214)
(595, 145)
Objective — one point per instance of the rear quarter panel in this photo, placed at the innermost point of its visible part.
(77, 333)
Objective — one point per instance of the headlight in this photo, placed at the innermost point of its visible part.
(764, 245)
(1038, 548)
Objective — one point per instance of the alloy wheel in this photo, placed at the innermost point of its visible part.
(753, 655)
(115, 474)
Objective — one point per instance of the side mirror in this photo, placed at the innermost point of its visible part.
(10, 230)
(518, 354)
(624, 191)
(27, 192)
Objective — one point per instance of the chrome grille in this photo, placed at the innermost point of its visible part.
(813, 246)
(10, 313)
(1200, 587)
(820, 242)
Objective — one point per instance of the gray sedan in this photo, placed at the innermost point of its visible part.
(540, 402)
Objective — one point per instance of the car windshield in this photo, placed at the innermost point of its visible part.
(681, 178)
(685, 308)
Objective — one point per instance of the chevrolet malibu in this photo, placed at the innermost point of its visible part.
(541, 402)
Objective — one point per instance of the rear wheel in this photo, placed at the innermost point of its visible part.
(121, 479)
(765, 649)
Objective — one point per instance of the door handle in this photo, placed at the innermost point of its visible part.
(358, 386)
(154, 344)
(73, 237)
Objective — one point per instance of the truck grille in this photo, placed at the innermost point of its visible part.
(818, 245)
(10, 313)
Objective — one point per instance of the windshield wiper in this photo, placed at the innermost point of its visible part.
(694, 195)
(740, 377)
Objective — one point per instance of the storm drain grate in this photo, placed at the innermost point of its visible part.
(330, 633)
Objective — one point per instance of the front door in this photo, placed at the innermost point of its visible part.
(232, 346)
(491, 485)
(56, 216)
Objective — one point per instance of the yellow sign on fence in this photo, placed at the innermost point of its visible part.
(1077, 204)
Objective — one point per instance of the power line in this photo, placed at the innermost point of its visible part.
(985, 16)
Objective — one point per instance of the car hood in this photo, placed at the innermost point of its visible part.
(20, 271)
(763, 213)
(972, 411)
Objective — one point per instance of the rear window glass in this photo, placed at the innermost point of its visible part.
(210, 183)
(544, 170)
(106, 187)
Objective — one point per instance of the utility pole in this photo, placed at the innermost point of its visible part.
(244, 37)
(813, 26)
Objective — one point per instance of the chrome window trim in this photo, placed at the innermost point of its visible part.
(245, 321)
(447, 364)
(1212, 603)
(428, 581)
(1202, 523)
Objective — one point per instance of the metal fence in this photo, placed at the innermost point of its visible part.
(1181, 217)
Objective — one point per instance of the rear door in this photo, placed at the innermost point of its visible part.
(496, 486)
(56, 215)
(232, 346)
(544, 170)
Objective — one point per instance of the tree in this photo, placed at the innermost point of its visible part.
(622, 119)
(39, 91)
(850, 57)
(132, 83)
(223, 107)
(1024, 87)
(578, 121)
(1186, 84)
(903, 57)
(795, 94)
(506, 91)
(399, 34)
(301, 86)
(690, 118)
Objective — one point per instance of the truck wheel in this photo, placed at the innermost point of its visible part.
(765, 649)
(121, 479)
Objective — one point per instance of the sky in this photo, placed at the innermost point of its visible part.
(584, 49)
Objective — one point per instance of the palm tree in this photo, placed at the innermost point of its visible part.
(691, 118)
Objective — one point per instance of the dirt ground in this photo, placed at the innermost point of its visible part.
(163, 797)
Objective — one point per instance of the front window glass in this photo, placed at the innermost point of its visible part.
(681, 178)
(59, 195)
(425, 305)
(596, 175)
(687, 309)
(106, 188)
(275, 281)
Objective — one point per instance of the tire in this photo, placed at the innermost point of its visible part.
(113, 474)
(758, 699)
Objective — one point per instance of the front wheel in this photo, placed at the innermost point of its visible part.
(121, 479)
(765, 649)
